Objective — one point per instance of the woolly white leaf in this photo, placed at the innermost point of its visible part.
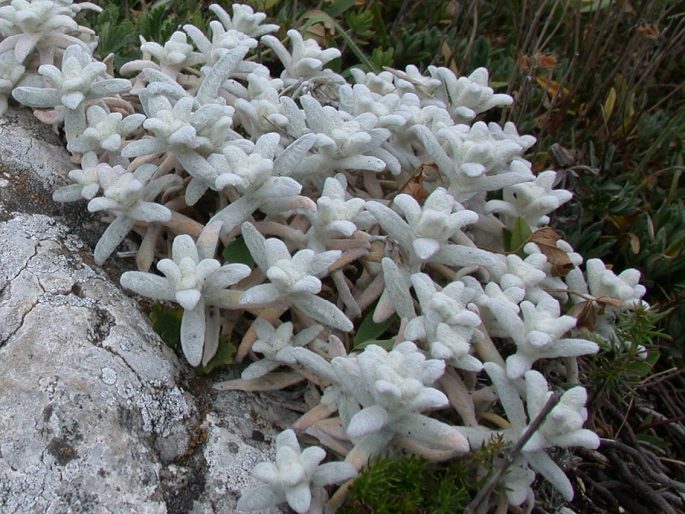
(193, 333)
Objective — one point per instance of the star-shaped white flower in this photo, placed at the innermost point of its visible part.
(297, 478)
(277, 346)
(532, 201)
(306, 60)
(128, 198)
(293, 280)
(90, 178)
(196, 281)
(80, 80)
(106, 131)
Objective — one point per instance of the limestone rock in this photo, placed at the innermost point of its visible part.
(33, 163)
(97, 414)
(90, 407)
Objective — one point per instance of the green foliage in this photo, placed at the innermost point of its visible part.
(412, 485)
(117, 34)
(223, 357)
(515, 239)
(627, 358)
(120, 24)
(369, 331)
(167, 323)
(238, 252)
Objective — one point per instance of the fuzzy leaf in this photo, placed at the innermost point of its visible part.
(112, 237)
(367, 421)
(323, 311)
(193, 334)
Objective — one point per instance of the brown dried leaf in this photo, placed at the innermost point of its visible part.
(448, 57)
(546, 239)
(525, 63)
(414, 186)
(634, 242)
(649, 31)
(545, 61)
(585, 313)
(270, 382)
(603, 301)
(551, 86)
(564, 157)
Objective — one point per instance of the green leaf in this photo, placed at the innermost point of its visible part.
(515, 239)
(639, 368)
(224, 357)
(339, 7)
(361, 23)
(386, 344)
(382, 58)
(167, 323)
(317, 16)
(369, 329)
(238, 252)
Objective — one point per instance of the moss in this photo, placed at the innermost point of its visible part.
(411, 485)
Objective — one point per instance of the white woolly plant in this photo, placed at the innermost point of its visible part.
(306, 61)
(105, 133)
(562, 428)
(539, 335)
(532, 201)
(426, 234)
(297, 478)
(198, 283)
(89, 179)
(11, 72)
(294, 280)
(277, 346)
(336, 217)
(128, 198)
(606, 293)
(478, 158)
(466, 97)
(342, 141)
(380, 396)
(447, 324)
(252, 171)
(381, 206)
(170, 59)
(244, 20)
(189, 131)
(44, 25)
(223, 46)
(80, 81)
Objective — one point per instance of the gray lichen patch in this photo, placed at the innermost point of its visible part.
(109, 376)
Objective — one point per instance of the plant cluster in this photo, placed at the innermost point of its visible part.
(383, 202)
